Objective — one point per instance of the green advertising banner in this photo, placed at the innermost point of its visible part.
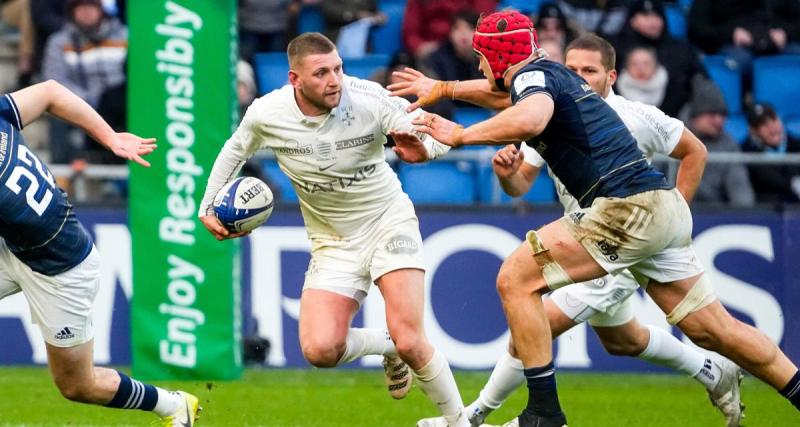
(185, 314)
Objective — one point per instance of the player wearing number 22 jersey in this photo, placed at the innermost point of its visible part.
(37, 221)
(47, 254)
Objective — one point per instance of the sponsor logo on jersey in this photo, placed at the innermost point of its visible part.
(325, 151)
(355, 142)
(586, 87)
(402, 245)
(608, 250)
(528, 80)
(338, 183)
(293, 148)
(3, 146)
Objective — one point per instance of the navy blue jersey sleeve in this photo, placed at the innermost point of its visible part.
(9, 111)
(534, 79)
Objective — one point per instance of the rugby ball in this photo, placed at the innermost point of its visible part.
(243, 204)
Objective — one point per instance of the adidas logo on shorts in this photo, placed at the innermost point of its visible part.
(65, 334)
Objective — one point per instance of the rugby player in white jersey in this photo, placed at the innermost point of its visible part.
(47, 254)
(630, 216)
(328, 131)
(604, 303)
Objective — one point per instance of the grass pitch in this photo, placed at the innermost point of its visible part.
(358, 398)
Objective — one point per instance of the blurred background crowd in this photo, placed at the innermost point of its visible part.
(728, 72)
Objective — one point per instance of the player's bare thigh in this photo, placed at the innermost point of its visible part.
(325, 319)
(522, 271)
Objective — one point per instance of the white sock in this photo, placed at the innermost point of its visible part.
(709, 374)
(361, 342)
(437, 382)
(506, 377)
(168, 402)
(666, 350)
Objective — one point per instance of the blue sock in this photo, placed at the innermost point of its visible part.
(792, 390)
(133, 394)
(542, 392)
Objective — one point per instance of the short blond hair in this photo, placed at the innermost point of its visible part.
(308, 44)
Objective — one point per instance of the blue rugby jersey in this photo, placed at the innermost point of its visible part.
(36, 219)
(585, 143)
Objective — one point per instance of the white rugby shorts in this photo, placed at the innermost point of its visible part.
(350, 266)
(62, 304)
(602, 302)
(649, 233)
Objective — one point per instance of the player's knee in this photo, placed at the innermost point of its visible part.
(507, 285)
(410, 345)
(322, 354)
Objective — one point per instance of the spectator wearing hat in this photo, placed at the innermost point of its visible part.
(606, 17)
(88, 56)
(723, 183)
(552, 25)
(772, 183)
(646, 26)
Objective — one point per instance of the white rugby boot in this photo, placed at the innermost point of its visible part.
(726, 395)
(397, 376)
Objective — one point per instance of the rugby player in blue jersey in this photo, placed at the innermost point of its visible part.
(629, 216)
(47, 254)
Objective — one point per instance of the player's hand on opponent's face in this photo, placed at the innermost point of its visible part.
(441, 129)
(217, 229)
(507, 161)
(412, 82)
(408, 147)
(131, 147)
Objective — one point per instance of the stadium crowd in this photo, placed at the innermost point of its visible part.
(673, 55)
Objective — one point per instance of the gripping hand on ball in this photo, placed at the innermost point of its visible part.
(216, 228)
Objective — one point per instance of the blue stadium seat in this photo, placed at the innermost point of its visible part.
(387, 39)
(736, 126)
(310, 20)
(775, 81)
(271, 71)
(527, 7)
(728, 78)
(468, 116)
(278, 181)
(676, 21)
(439, 182)
(366, 65)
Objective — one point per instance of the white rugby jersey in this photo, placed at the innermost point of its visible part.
(654, 132)
(336, 165)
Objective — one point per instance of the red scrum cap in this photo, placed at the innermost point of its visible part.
(504, 39)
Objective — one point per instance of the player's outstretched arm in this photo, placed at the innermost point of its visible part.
(53, 98)
(430, 91)
(515, 175)
(693, 154)
(520, 122)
